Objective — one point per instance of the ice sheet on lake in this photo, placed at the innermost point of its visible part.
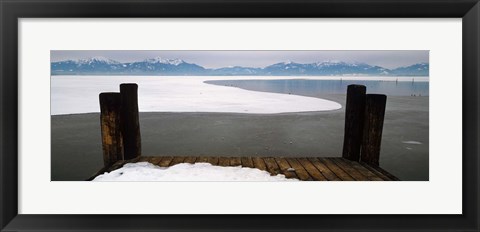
(144, 171)
(79, 94)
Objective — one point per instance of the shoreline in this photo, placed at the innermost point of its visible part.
(359, 78)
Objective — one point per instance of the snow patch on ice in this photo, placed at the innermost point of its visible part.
(144, 171)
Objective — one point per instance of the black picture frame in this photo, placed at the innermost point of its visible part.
(12, 10)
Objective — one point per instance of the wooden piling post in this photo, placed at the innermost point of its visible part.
(372, 133)
(130, 119)
(354, 119)
(110, 121)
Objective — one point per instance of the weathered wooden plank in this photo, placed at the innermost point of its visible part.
(143, 159)
(201, 159)
(336, 169)
(190, 159)
(259, 163)
(155, 159)
(381, 175)
(247, 162)
(285, 167)
(116, 165)
(212, 160)
(386, 175)
(311, 169)
(223, 161)
(391, 176)
(299, 170)
(177, 160)
(165, 162)
(369, 174)
(272, 166)
(235, 161)
(324, 170)
(349, 169)
(134, 160)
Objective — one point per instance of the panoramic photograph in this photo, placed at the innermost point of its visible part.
(239, 115)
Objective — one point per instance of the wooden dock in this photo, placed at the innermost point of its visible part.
(364, 116)
(305, 168)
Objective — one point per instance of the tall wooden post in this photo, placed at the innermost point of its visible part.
(372, 133)
(130, 120)
(110, 121)
(354, 119)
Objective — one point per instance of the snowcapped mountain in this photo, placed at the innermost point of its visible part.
(104, 66)
(421, 69)
(95, 65)
(285, 68)
(325, 68)
(97, 59)
(161, 66)
(235, 71)
(177, 67)
(160, 60)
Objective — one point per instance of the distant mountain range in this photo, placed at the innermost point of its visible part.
(176, 67)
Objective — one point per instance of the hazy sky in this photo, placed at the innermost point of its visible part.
(218, 59)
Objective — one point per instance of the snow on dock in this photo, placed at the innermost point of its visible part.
(179, 168)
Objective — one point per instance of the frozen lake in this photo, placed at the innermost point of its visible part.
(79, 94)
